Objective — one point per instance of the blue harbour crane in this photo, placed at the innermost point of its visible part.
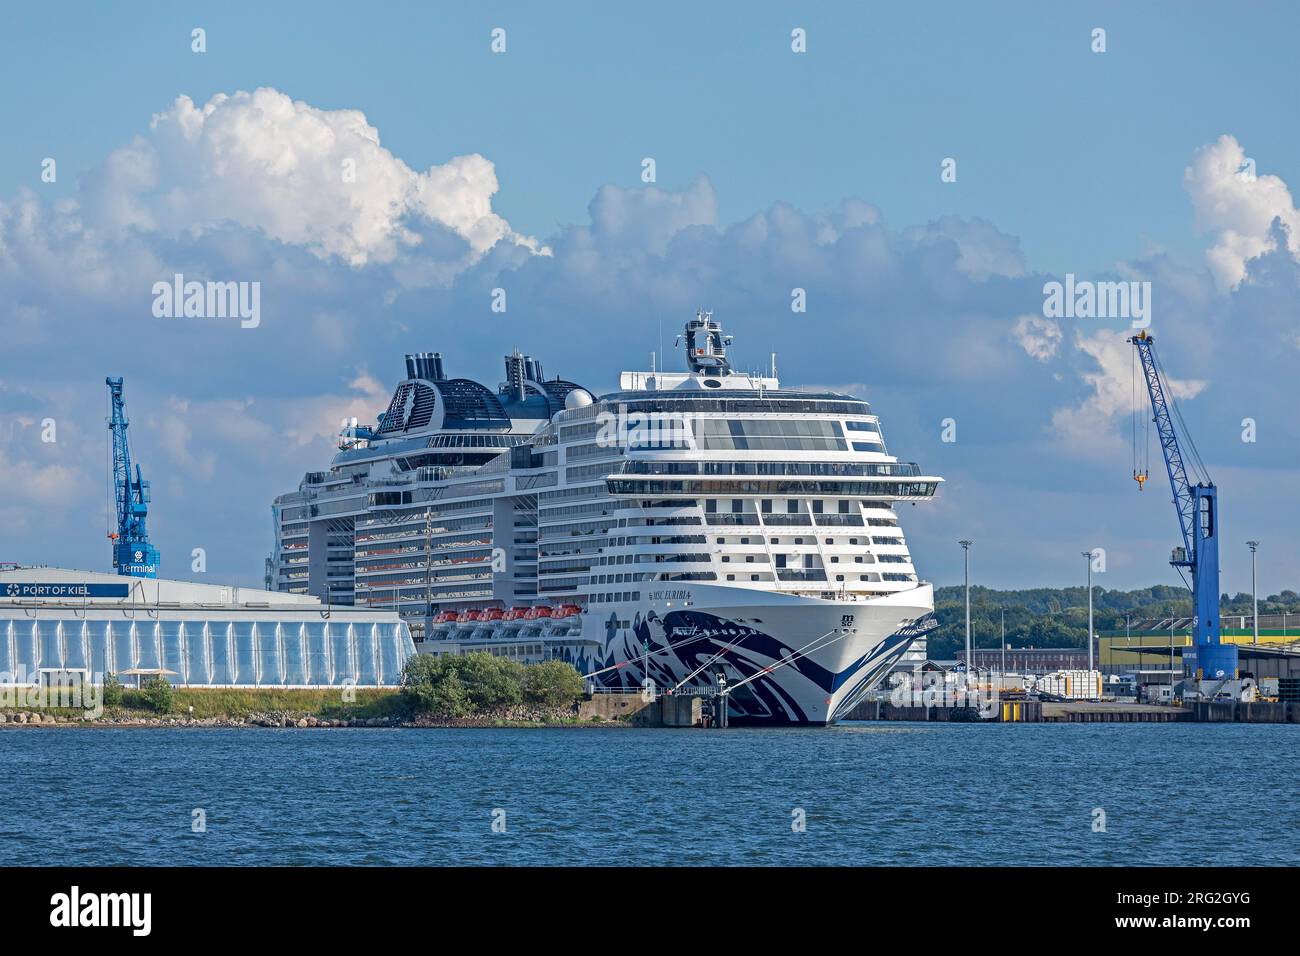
(1197, 506)
(132, 552)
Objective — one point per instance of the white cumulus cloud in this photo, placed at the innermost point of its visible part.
(1039, 337)
(1088, 425)
(306, 176)
(1239, 207)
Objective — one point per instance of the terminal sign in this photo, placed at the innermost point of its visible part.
(31, 589)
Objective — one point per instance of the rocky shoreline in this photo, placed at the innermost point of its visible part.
(280, 720)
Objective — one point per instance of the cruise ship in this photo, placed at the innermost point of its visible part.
(701, 531)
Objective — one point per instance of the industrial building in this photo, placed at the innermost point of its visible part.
(1029, 660)
(57, 623)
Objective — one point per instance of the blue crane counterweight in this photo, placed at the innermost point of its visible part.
(1198, 520)
(132, 553)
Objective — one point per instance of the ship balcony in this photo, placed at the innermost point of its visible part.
(839, 521)
(800, 574)
(786, 520)
(725, 520)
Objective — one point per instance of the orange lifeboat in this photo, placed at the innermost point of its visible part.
(493, 614)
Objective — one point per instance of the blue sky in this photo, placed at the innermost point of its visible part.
(774, 170)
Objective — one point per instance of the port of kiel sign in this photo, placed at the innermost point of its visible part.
(33, 589)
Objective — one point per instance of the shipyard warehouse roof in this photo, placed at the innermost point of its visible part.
(199, 635)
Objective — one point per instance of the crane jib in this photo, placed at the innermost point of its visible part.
(133, 553)
(1197, 509)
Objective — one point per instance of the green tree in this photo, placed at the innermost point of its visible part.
(490, 682)
(552, 683)
(160, 694)
(112, 691)
(430, 685)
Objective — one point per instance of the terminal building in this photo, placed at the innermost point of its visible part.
(57, 623)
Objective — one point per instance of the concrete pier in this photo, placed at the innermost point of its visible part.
(665, 711)
(1089, 712)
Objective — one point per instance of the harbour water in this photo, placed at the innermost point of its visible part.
(926, 794)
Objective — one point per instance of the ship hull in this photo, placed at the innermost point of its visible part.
(787, 660)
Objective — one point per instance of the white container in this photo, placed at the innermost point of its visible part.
(1070, 685)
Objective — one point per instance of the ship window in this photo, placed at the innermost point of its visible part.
(737, 506)
(749, 559)
(711, 506)
(844, 507)
(724, 540)
(817, 507)
(731, 577)
(753, 577)
(839, 577)
(768, 435)
(792, 506)
(767, 506)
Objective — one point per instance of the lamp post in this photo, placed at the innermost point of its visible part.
(965, 547)
(1088, 555)
(1254, 594)
(1004, 648)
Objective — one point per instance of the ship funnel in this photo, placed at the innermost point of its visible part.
(516, 372)
(411, 371)
(437, 374)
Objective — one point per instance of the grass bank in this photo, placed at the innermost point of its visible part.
(327, 703)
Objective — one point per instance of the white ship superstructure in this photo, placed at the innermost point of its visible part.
(692, 530)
